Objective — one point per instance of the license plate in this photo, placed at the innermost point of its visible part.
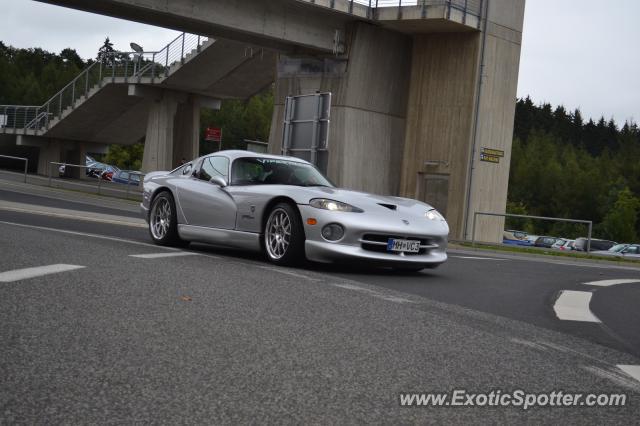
(410, 246)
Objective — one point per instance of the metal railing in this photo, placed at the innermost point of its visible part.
(467, 7)
(555, 219)
(111, 67)
(26, 163)
(115, 186)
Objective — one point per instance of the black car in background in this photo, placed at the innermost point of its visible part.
(546, 242)
(581, 244)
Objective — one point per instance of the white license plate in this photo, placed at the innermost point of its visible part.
(410, 246)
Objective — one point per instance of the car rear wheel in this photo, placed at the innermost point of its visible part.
(163, 221)
(283, 241)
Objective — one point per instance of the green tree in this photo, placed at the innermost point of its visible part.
(620, 222)
(125, 157)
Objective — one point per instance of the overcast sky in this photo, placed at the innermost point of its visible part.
(579, 53)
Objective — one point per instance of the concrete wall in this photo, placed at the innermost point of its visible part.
(496, 115)
(368, 108)
(440, 117)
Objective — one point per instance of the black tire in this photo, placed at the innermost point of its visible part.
(162, 233)
(276, 248)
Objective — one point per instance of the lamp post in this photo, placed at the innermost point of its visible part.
(138, 49)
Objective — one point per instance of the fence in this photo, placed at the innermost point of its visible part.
(26, 163)
(556, 219)
(102, 183)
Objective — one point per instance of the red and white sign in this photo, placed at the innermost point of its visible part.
(213, 134)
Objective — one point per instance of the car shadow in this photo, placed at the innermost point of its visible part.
(325, 268)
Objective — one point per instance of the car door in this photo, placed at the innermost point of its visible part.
(206, 204)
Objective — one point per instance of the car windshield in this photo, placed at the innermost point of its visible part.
(618, 247)
(272, 171)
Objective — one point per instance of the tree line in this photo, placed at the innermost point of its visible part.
(565, 166)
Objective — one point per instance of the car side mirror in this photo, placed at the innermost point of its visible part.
(218, 180)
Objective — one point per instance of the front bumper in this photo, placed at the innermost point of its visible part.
(361, 228)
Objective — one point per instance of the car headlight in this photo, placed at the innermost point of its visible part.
(434, 215)
(332, 205)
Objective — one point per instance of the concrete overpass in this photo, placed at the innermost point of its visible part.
(424, 93)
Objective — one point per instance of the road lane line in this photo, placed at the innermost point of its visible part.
(614, 375)
(163, 255)
(574, 306)
(38, 271)
(607, 283)
(286, 272)
(72, 214)
(478, 258)
(631, 370)
(373, 293)
(85, 234)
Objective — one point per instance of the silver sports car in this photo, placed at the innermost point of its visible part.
(285, 207)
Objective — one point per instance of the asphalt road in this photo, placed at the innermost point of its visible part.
(208, 335)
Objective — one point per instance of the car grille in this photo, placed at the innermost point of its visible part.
(378, 243)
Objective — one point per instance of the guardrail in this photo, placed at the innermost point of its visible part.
(556, 219)
(26, 163)
(112, 66)
(467, 7)
(101, 181)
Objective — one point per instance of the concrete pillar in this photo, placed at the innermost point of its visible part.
(369, 97)
(172, 130)
(186, 132)
(51, 151)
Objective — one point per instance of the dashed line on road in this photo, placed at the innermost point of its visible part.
(373, 293)
(608, 283)
(85, 234)
(574, 306)
(163, 255)
(38, 271)
(477, 258)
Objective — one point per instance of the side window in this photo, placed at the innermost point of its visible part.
(214, 166)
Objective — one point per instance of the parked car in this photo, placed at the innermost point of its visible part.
(560, 242)
(284, 207)
(621, 250)
(546, 242)
(568, 245)
(515, 238)
(108, 172)
(596, 245)
(127, 177)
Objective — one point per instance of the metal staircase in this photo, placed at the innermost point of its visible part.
(114, 68)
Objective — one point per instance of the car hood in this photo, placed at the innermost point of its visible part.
(371, 203)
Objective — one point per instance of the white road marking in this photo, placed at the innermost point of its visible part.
(84, 234)
(373, 293)
(574, 306)
(72, 214)
(631, 370)
(287, 272)
(38, 271)
(607, 283)
(163, 255)
(478, 258)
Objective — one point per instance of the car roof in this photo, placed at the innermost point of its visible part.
(234, 154)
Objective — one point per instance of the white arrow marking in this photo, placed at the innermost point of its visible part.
(631, 370)
(574, 306)
(607, 283)
(38, 271)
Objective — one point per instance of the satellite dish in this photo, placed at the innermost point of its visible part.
(136, 47)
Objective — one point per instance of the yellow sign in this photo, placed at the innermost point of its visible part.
(489, 158)
(493, 152)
